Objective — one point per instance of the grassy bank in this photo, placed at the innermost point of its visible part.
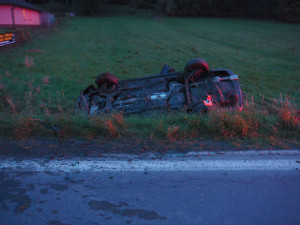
(41, 79)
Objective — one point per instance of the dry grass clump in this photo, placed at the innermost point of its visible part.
(231, 123)
(270, 121)
(173, 133)
(113, 125)
(25, 127)
(118, 119)
(288, 117)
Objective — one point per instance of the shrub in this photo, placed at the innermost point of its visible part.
(219, 8)
(142, 4)
(88, 7)
(289, 10)
(56, 7)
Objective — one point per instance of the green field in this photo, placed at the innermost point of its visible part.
(265, 55)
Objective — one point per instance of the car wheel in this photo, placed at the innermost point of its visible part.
(107, 81)
(196, 68)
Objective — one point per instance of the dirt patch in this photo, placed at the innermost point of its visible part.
(18, 199)
(60, 149)
(123, 211)
(59, 187)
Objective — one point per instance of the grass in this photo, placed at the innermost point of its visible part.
(41, 79)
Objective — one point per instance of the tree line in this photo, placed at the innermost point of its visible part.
(284, 10)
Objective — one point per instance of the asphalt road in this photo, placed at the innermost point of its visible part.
(207, 188)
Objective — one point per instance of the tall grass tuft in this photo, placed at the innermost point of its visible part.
(173, 133)
(113, 125)
(288, 115)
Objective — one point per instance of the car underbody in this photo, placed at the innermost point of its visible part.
(195, 89)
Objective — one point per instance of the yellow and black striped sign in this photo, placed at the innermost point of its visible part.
(7, 38)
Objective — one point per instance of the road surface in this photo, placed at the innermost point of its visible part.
(195, 188)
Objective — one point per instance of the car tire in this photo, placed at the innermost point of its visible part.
(106, 78)
(197, 64)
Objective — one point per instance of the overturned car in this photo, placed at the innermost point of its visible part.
(195, 89)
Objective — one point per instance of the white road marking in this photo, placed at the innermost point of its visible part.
(147, 165)
(245, 153)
